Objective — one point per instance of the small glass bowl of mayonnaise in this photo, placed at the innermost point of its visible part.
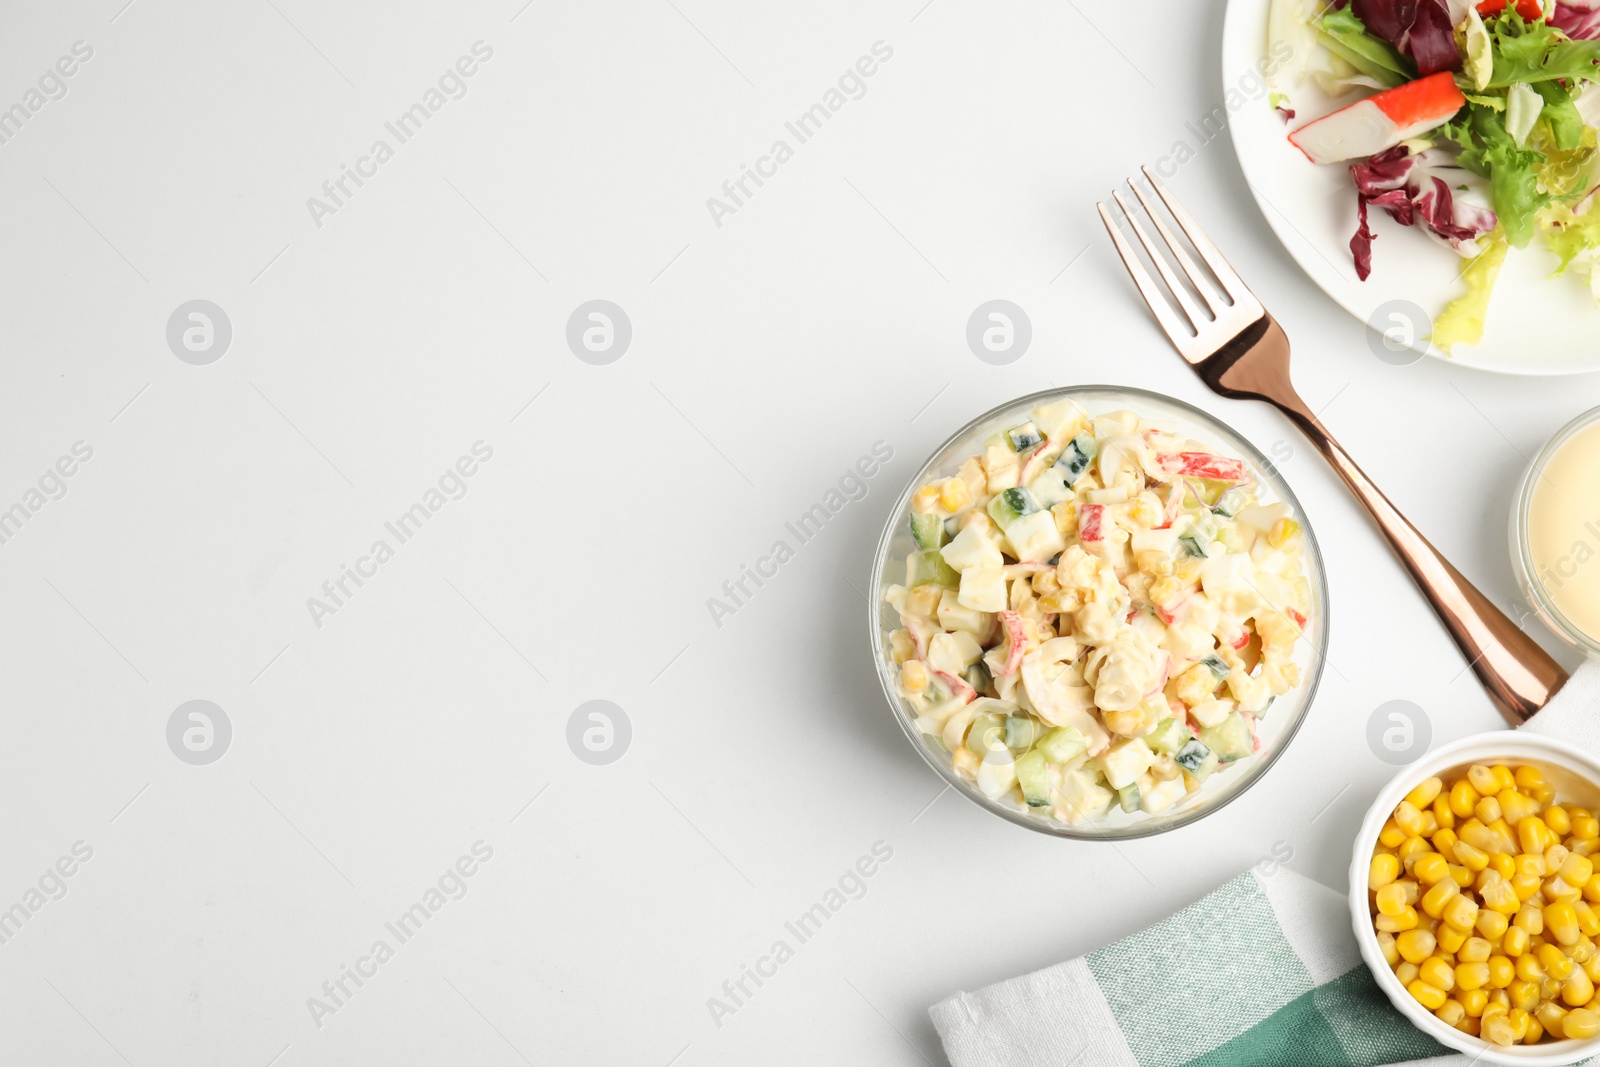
(1555, 532)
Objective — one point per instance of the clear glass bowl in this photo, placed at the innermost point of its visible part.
(1276, 728)
(1521, 553)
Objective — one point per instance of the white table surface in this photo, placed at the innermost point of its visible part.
(768, 354)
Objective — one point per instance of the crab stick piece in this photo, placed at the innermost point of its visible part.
(1379, 122)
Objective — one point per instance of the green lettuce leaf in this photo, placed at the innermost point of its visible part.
(1461, 323)
(1347, 37)
(1535, 52)
(1566, 125)
(1490, 152)
(1570, 235)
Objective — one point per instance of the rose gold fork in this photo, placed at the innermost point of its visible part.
(1240, 352)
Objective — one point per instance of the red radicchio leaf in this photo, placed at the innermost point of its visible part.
(1432, 42)
(1578, 19)
(1388, 19)
(1402, 185)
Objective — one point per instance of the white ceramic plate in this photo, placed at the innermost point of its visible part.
(1536, 325)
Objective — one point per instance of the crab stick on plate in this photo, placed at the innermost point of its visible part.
(1382, 121)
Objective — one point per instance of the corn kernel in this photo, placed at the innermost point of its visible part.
(953, 494)
(1554, 857)
(1502, 972)
(1483, 779)
(1520, 1021)
(1487, 810)
(1391, 899)
(1425, 792)
(1497, 1030)
(1525, 885)
(1499, 1001)
(1461, 875)
(1451, 1012)
(1557, 889)
(1407, 817)
(1588, 920)
(1502, 864)
(1430, 997)
(1474, 1000)
(1416, 945)
(1406, 920)
(1556, 964)
(1442, 892)
(1550, 1016)
(1515, 806)
(1462, 798)
(1385, 869)
(1430, 823)
(1475, 950)
(1528, 968)
(1429, 868)
(1388, 944)
(1471, 976)
(1406, 971)
(1545, 794)
(1558, 819)
(1585, 827)
(1450, 938)
(913, 677)
(1562, 921)
(1524, 995)
(925, 500)
(1577, 990)
(1503, 777)
(1584, 950)
(1441, 811)
(1410, 848)
(1535, 1031)
(1492, 924)
(1515, 942)
(1471, 857)
(1529, 863)
(1531, 919)
(1528, 778)
(1577, 870)
(1282, 532)
(1462, 911)
(1436, 972)
(1580, 1023)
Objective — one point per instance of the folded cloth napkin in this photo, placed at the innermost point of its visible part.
(1263, 972)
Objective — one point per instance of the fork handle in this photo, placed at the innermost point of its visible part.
(1520, 676)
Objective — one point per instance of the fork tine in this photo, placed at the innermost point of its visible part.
(1185, 263)
(1168, 321)
(1232, 285)
(1179, 294)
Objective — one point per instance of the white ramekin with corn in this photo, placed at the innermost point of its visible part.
(1476, 899)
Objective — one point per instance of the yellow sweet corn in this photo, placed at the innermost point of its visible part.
(1580, 1023)
(1437, 973)
(953, 494)
(1429, 996)
(1462, 799)
(1561, 920)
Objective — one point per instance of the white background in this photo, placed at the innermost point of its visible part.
(768, 354)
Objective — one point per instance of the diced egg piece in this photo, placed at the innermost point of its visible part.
(1208, 712)
(1126, 760)
(983, 588)
(1035, 537)
(997, 773)
(953, 615)
(1080, 798)
(953, 652)
(1058, 421)
(1157, 795)
(972, 547)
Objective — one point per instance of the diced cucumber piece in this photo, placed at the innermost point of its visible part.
(1193, 546)
(1232, 501)
(979, 678)
(1192, 755)
(1169, 737)
(1207, 765)
(1209, 490)
(1021, 438)
(1230, 739)
(1049, 488)
(1021, 732)
(1215, 665)
(952, 526)
(1033, 774)
(986, 732)
(1075, 458)
(927, 530)
(1128, 797)
(1063, 744)
(928, 567)
(1011, 505)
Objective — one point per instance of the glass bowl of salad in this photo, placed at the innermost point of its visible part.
(1098, 612)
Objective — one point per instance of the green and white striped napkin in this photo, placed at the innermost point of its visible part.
(1263, 972)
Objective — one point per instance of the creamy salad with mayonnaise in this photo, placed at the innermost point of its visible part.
(1098, 612)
